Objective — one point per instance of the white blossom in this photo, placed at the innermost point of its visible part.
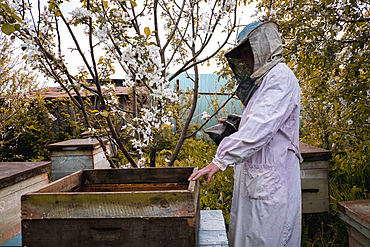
(205, 115)
(141, 162)
(128, 165)
(79, 13)
(63, 77)
(102, 33)
(127, 53)
(92, 130)
(52, 117)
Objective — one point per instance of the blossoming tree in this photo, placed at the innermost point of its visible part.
(176, 38)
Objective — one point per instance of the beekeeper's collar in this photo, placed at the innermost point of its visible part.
(267, 51)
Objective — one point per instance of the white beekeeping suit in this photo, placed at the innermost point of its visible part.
(266, 206)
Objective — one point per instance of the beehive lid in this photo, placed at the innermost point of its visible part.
(76, 144)
(15, 172)
(311, 153)
(357, 214)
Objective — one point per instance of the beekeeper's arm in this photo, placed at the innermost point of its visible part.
(263, 120)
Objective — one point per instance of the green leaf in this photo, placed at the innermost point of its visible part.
(104, 113)
(147, 31)
(105, 4)
(133, 3)
(5, 7)
(51, 6)
(7, 29)
(17, 17)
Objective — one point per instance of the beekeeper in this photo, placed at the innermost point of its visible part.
(266, 206)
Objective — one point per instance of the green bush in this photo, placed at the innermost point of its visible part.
(218, 195)
(26, 133)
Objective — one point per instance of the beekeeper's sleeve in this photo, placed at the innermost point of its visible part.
(261, 119)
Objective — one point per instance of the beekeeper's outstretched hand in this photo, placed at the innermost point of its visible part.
(211, 169)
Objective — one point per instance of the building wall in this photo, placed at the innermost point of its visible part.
(208, 83)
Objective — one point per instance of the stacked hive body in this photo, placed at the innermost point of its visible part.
(114, 207)
(16, 179)
(357, 216)
(314, 178)
(77, 154)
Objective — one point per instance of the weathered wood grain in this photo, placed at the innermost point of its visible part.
(312, 153)
(319, 164)
(134, 232)
(164, 209)
(314, 174)
(356, 214)
(212, 229)
(356, 238)
(75, 144)
(314, 178)
(131, 187)
(100, 161)
(315, 206)
(14, 172)
(77, 154)
(10, 196)
(138, 175)
(314, 189)
(98, 205)
(65, 184)
(10, 233)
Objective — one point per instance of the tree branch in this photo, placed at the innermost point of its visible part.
(223, 105)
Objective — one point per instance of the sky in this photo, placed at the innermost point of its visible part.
(74, 60)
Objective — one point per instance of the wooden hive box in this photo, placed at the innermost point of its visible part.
(73, 155)
(357, 216)
(16, 179)
(314, 178)
(114, 207)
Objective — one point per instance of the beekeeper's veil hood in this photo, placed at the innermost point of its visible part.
(267, 50)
